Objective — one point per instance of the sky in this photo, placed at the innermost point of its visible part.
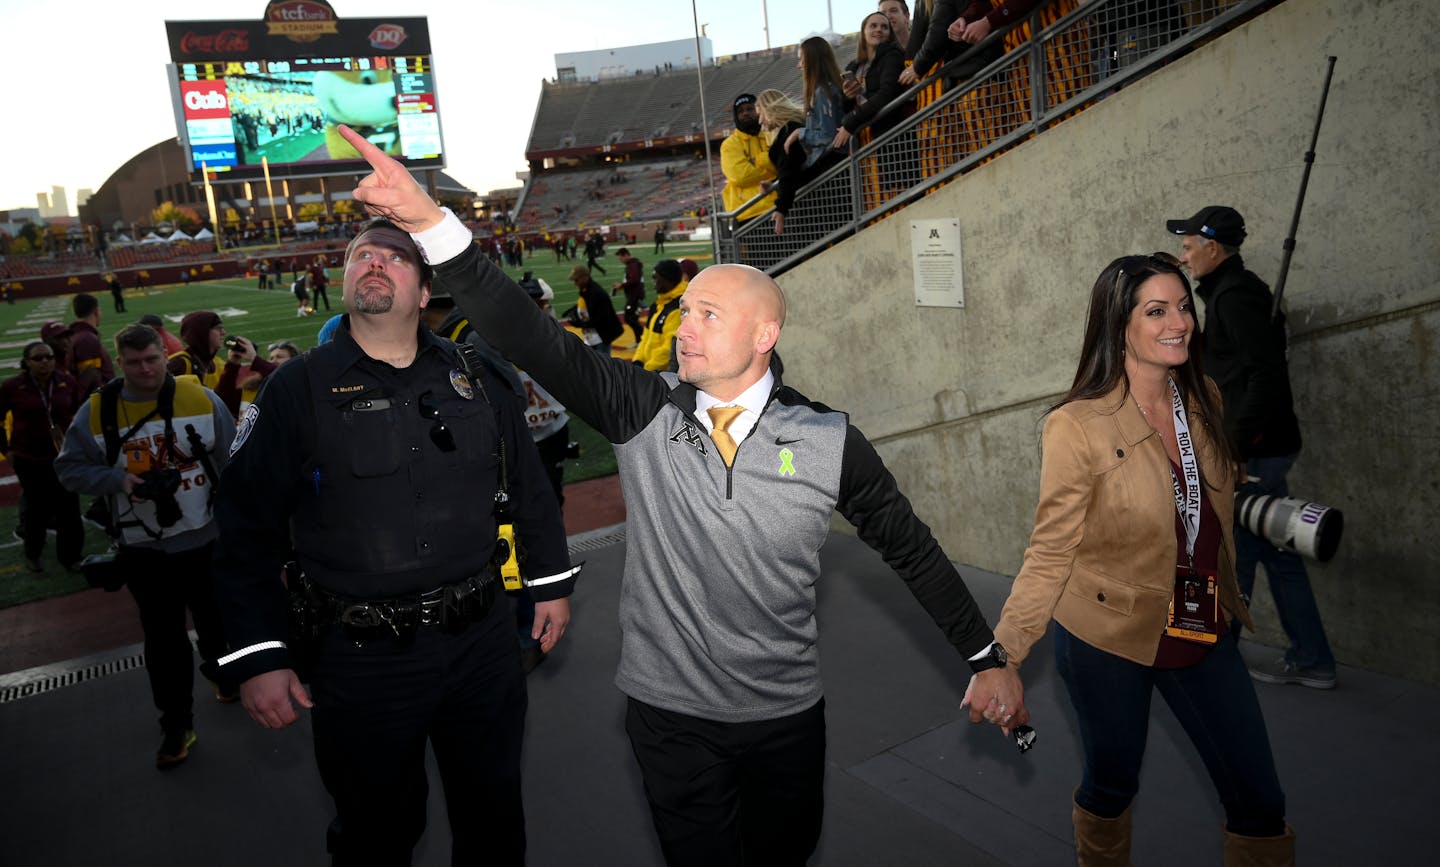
(87, 88)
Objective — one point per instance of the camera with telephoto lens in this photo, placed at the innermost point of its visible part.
(1309, 529)
(159, 487)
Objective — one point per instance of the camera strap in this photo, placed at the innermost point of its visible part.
(115, 441)
(110, 411)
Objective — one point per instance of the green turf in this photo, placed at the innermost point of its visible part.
(263, 317)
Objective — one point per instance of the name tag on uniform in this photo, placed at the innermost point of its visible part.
(1194, 607)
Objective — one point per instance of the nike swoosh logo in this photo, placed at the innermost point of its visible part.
(781, 441)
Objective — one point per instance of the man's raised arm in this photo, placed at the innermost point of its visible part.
(390, 191)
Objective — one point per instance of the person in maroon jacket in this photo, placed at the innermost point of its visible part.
(42, 400)
(89, 360)
(634, 288)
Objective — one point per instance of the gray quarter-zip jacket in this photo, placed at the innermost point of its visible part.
(717, 609)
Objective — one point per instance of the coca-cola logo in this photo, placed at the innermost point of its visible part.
(224, 42)
(197, 101)
(387, 36)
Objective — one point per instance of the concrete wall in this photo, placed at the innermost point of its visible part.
(954, 397)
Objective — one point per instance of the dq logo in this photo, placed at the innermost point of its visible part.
(387, 36)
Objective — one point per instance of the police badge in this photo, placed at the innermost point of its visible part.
(461, 383)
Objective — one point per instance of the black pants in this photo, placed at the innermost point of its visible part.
(552, 454)
(731, 794)
(319, 293)
(632, 318)
(376, 705)
(48, 504)
(164, 586)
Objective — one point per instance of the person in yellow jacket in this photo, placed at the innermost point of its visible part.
(745, 160)
(653, 352)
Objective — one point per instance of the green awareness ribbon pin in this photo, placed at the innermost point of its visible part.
(787, 467)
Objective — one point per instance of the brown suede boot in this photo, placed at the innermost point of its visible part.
(1242, 851)
(1102, 842)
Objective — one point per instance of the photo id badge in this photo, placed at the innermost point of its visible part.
(1194, 607)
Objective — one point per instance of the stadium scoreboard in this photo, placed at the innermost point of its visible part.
(251, 93)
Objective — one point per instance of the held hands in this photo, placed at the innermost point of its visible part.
(972, 33)
(551, 618)
(997, 696)
(267, 698)
(390, 191)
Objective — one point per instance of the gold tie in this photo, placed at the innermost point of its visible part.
(721, 417)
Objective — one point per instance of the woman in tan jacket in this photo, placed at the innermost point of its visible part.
(1132, 556)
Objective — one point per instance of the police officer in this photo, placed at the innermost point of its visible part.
(378, 456)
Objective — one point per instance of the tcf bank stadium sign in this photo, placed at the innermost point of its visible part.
(300, 20)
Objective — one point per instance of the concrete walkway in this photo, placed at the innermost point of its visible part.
(908, 782)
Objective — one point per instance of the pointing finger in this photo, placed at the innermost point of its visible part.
(377, 158)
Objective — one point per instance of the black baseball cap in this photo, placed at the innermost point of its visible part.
(1216, 222)
(670, 270)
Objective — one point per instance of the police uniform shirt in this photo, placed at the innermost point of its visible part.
(385, 479)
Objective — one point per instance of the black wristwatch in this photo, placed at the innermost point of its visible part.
(995, 657)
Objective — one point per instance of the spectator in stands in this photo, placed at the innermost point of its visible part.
(897, 12)
(1002, 15)
(878, 62)
(805, 151)
(172, 343)
(593, 311)
(117, 291)
(89, 360)
(41, 402)
(930, 41)
(653, 352)
(634, 286)
(745, 161)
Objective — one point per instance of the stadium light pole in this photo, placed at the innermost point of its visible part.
(705, 125)
(765, 17)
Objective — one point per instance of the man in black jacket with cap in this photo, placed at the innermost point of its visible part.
(1245, 353)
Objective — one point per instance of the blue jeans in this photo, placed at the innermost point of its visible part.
(1289, 582)
(1215, 703)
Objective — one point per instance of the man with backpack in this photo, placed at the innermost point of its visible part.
(152, 445)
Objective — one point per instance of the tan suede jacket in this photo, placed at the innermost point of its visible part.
(1101, 559)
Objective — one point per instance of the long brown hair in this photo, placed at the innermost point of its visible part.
(817, 59)
(1102, 352)
(862, 49)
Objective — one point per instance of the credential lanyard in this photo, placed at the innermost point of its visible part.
(1187, 502)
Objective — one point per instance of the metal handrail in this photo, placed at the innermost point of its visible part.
(833, 221)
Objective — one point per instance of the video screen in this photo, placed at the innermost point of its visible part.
(287, 112)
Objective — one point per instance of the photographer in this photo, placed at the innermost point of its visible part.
(166, 440)
(204, 336)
